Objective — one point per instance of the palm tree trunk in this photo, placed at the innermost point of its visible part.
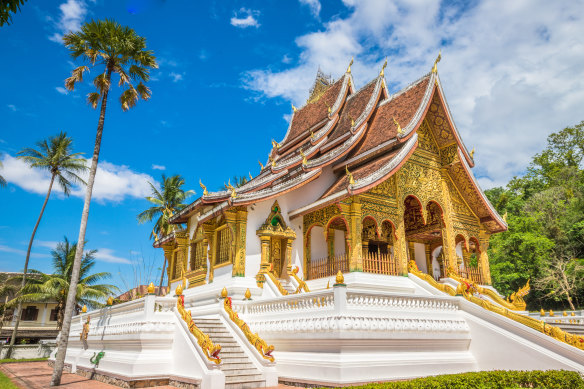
(162, 277)
(19, 308)
(71, 294)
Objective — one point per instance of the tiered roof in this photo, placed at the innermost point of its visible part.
(367, 131)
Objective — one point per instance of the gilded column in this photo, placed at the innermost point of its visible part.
(289, 256)
(353, 216)
(265, 260)
(484, 266)
(330, 243)
(429, 259)
(168, 250)
(240, 241)
(448, 237)
(182, 241)
(210, 235)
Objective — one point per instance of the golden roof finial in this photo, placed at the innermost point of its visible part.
(250, 176)
(350, 175)
(224, 292)
(294, 109)
(352, 120)
(205, 192)
(435, 67)
(472, 153)
(350, 64)
(229, 184)
(261, 165)
(399, 129)
(304, 160)
(328, 107)
(233, 194)
(273, 162)
(311, 135)
(275, 144)
(382, 73)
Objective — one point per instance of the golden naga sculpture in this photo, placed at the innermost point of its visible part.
(277, 283)
(205, 192)
(294, 109)
(275, 144)
(255, 340)
(382, 72)
(210, 350)
(435, 67)
(85, 329)
(517, 298)
(399, 129)
(465, 289)
(304, 160)
(350, 64)
(301, 284)
(261, 165)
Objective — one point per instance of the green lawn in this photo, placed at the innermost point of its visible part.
(22, 360)
(5, 383)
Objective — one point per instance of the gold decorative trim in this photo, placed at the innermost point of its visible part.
(254, 339)
(210, 350)
(301, 284)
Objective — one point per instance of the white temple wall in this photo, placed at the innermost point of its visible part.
(340, 243)
(318, 248)
(420, 254)
(258, 212)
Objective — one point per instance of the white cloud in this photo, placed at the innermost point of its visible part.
(245, 18)
(12, 107)
(314, 6)
(176, 77)
(112, 182)
(61, 90)
(45, 243)
(511, 71)
(158, 167)
(73, 13)
(22, 253)
(107, 255)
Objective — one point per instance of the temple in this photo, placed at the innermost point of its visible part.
(358, 253)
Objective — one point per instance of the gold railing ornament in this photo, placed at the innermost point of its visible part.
(466, 290)
(339, 279)
(151, 288)
(247, 294)
(277, 283)
(552, 313)
(301, 284)
(84, 309)
(210, 350)
(224, 292)
(110, 300)
(255, 340)
(541, 312)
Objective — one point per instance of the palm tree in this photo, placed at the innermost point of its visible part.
(7, 8)
(56, 156)
(114, 49)
(166, 203)
(2, 180)
(55, 287)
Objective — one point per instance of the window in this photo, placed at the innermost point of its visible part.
(54, 315)
(29, 314)
(198, 255)
(223, 246)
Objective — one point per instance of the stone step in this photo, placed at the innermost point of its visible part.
(228, 365)
(230, 349)
(231, 354)
(246, 385)
(233, 360)
(242, 378)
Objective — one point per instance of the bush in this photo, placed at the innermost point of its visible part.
(497, 379)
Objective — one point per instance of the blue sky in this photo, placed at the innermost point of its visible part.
(228, 73)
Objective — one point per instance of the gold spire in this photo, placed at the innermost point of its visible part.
(261, 165)
(250, 176)
(472, 153)
(275, 144)
(435, 67)
(399, 129)
(304, 160)
(294, 109)
(350, 175)
(350, 63)
(205, 193)
(382, 73)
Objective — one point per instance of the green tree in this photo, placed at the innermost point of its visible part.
(167, 202)
(56, 156)
(112, 48)
(7, 8)
(55, 286)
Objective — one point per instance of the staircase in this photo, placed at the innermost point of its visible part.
(240, 372)
(287, 284)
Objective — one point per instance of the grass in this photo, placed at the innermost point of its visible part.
(22, 360)
(5, 382)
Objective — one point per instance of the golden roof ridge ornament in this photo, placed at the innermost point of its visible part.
(229, 184)
(250, 176)
(294, 109)
(399, 129)
(304, 160)
(261, 165)
(275, 144)
(350, 64)
(435, 67)
(472, 153)
(205, 192)
(350, 176)
(311, 135)
(382, 72)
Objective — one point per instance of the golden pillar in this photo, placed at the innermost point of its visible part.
(400, 246)
(354, 218)
(265, 259)
(240, 242)
(411, 251)
(182, 242)
(168, 249)
(484, 266)
(448, 237)
(289, 256)
(330, 243)
(428, 250)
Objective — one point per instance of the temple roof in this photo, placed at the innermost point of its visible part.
(367, 132)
